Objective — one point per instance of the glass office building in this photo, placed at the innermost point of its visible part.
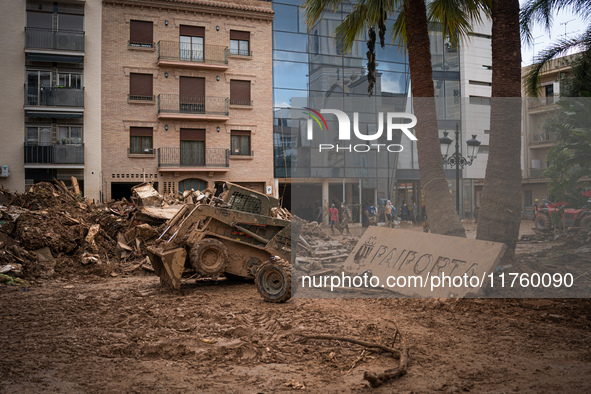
(308, 67)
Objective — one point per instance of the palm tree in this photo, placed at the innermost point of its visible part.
(371, 15)
(499, 217)
(541, 11)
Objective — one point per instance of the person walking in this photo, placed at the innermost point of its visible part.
(414, 212)
(388, 212)
(334, 217)
(345, 218)
(404, 211)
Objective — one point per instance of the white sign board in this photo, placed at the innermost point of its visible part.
(420, 264)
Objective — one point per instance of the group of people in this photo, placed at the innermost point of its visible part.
(339, 214)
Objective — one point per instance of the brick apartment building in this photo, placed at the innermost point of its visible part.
(186, 94)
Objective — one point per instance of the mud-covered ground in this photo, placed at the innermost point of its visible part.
(127, 334)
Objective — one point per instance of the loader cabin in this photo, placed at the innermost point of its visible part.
(245, 200)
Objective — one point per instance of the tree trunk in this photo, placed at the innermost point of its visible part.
(438, 201)
(500, 214)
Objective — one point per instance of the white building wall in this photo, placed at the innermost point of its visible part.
(12, 65)
(92, 99)
(475, 57)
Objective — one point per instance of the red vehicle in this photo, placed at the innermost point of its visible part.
(571, 217)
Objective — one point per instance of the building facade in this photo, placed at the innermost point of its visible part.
(187, 95)
(309, 66)
(51, 104)
(536, 140)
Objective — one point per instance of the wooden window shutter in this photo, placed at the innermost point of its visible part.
(192, 86)
(195, 31)
(140, 84)
(192, 134)
(140, 131)
(141, 32)
(239, 92)
(240, 132)
(239, 35)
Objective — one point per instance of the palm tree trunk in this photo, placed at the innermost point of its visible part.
(500, 214)
(438, 201)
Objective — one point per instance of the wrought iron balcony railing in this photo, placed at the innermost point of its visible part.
(186, 52)
(181, 104)
(191, 157)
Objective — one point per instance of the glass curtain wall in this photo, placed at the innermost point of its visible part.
(307, 63)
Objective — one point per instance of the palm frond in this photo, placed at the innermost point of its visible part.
(531, 79)
(398, 30)
(457, 17)
(541, 11)
(315, 8)
(352, 27)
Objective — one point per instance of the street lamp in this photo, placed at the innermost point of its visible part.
(456, 160)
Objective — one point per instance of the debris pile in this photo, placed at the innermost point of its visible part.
(572, 235)
(318, 253)
(49, 231)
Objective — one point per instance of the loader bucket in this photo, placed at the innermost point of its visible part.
(168, 265)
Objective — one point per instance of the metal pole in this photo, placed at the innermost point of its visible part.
(457, 154)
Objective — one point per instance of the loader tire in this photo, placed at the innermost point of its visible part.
(273, 281)
(542, 222)
(209, 257)
(586, 222)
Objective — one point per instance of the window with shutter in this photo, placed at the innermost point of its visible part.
(192, 95)
(239, 43)
(140, 140)
(192, 147)
(240, 92)
(141, 34)
(191, 43)
(240, 142)
(140, 86)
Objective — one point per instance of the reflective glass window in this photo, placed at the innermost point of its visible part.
(291, 41)
(286, 18)
(290, 75)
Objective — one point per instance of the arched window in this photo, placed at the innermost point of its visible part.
(195, 184)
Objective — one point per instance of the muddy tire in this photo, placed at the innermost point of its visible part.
(542, 222)
(586, 222)
(209, 257)
(273, 281)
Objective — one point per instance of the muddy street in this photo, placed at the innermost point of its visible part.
(127, 334)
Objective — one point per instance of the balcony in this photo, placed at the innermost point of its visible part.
(53, 97)
(540, 102)
(537, 173)
(174, 106)
(54, 154)
(540, 140)
(177, 159)
(240, 52)
(175, 54)
(54, 40)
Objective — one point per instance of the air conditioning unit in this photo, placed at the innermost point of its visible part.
(4, 173)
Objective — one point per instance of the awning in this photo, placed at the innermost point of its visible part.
(58, 115)
(43, 57)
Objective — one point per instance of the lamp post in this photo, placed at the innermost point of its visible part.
(456, 160)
